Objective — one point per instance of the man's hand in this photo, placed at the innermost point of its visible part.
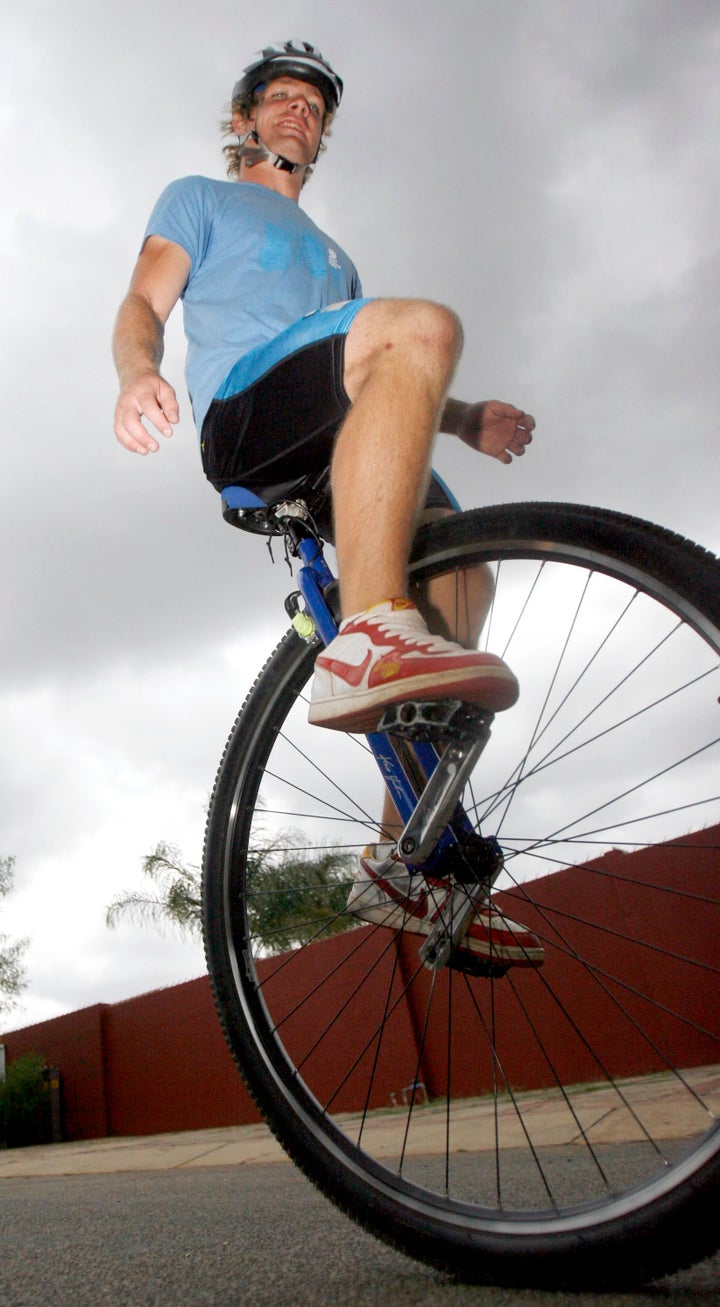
(497, 429)
(160, 274)
(151, 397)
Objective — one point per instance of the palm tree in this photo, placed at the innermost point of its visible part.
(295, 893)
(173, 901)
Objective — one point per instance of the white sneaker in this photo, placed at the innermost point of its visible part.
(387, 655)
(385, 892)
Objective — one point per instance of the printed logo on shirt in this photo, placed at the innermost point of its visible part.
(333, 259)
(313, 254)
(276, 253)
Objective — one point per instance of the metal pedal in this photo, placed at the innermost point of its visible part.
(435, 719)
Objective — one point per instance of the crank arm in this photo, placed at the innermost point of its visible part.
(438, 800)
(452, 924)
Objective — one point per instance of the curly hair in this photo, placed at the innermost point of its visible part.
(233, 152)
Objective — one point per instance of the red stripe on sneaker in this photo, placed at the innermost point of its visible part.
(348, 672)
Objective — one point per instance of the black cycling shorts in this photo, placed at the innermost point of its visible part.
(282, 428)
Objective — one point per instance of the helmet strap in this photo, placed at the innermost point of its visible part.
(258, 152)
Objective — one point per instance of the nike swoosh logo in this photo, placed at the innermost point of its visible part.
(348, 671)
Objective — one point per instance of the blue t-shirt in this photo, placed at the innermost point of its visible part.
(258, 264)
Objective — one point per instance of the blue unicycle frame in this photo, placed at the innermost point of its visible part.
(314, 581)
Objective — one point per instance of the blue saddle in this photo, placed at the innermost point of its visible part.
(239, 497)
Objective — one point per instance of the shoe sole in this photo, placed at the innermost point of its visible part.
(493, 688)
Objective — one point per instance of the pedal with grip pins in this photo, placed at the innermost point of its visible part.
(436, 720)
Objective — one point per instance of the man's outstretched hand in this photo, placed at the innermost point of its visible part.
(497, 429)
(153, 398)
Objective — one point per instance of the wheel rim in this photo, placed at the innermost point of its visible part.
(545, 1088)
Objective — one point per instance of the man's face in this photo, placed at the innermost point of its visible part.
(289, 119)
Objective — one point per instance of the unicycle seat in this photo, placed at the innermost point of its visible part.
(245, 509)
(255, 510)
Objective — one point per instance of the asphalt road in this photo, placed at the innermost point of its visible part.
(224, 1236)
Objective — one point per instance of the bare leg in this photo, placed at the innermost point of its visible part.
(399, 359)
(455, 605)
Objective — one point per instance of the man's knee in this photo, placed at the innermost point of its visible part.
(433, 325)
(421, 326)
(424, 322)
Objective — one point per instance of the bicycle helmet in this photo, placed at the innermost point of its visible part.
(291, 59)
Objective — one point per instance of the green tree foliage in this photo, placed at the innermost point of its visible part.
(23, 1101)
(12, 973)
(174, 899)
(295, 893)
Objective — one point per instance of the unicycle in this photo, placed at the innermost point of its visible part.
(548, 1126)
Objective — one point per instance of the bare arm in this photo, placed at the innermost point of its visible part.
(157, 283)
(494, 428)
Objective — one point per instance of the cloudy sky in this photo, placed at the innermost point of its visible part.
(547, 167)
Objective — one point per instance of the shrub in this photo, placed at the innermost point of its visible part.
(24, 1102)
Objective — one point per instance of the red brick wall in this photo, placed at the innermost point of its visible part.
(74, 1043)
(168, 1066)
(159, 1062)
(621, 892)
